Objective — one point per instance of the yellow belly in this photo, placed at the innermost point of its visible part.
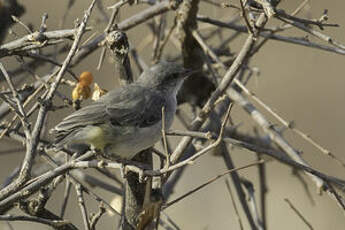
(95, 137)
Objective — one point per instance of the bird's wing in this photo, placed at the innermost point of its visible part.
(88, 115)
(128, 106)
(140, 107)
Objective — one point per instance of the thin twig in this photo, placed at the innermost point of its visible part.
(320, 24)
(26, 28)
(299, 214)
(245, 17)
(263, 192)
(280, 156)
(234, 204)
(96, 217)
(276, 137)
(52, 223)
(223, 85)
(21, 113)
(164, 137)
(65, 197)
(109, 27)
(203, 151)
(158, 30)
(165, 41)
(29, 41)
(82, 206)
(289, 125)
(298, 41)
(315, 33)
(209, 182)
(35, 135)
(252, 203)
(238, 186)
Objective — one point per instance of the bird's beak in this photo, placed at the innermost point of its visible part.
(189, 72)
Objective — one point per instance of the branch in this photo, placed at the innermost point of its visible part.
(117, 42)
(30, 154)
(223, 85)
(57, 224)
(36, 40)
(293, 40)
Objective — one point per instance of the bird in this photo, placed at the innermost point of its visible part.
(127, 119)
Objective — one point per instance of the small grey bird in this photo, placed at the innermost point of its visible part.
(128, 119)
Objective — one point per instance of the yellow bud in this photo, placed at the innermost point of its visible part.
(81, 92)
(85, 78)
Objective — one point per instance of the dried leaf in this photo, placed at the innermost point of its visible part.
(97, 92)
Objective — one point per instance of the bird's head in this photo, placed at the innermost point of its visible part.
(166, 76)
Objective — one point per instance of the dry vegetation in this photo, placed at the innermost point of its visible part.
(150, 179)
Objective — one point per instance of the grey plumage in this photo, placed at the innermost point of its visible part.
(128, 119)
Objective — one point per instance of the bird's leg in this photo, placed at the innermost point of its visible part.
(98, 152)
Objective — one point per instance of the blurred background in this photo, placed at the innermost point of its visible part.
(300, 83)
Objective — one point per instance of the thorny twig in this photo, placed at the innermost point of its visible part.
(31, 45)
